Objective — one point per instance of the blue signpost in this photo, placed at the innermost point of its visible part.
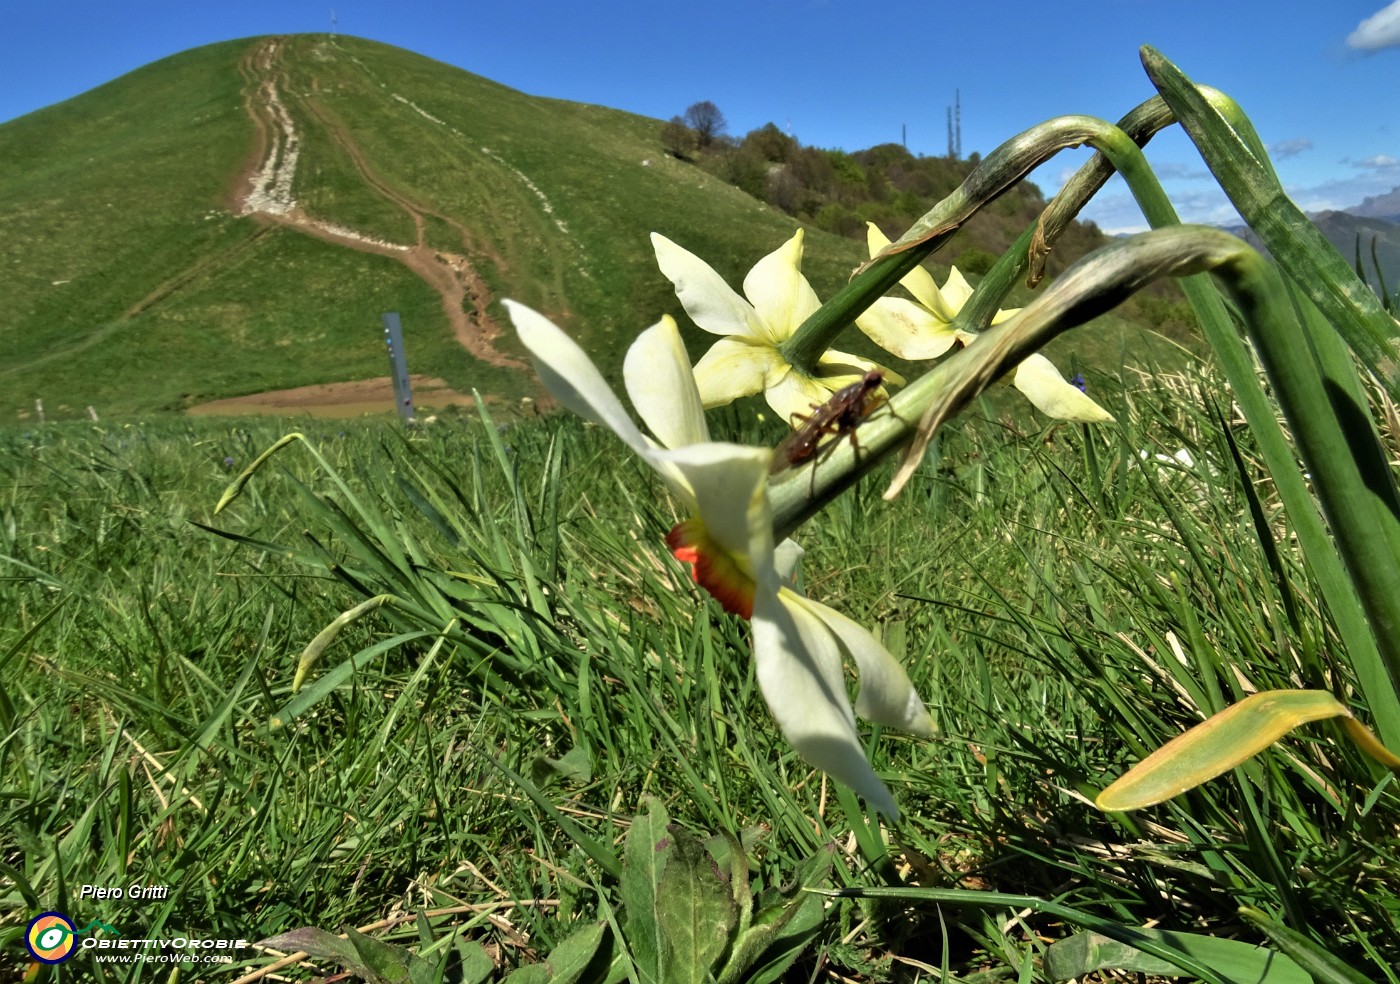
(398, 365)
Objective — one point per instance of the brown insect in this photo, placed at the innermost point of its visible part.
(822, 429)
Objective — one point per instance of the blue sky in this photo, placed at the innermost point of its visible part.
(1320, 80)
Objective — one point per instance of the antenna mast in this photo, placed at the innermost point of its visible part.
(957, 117)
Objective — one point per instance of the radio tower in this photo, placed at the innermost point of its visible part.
(957, 122)
(332, 22)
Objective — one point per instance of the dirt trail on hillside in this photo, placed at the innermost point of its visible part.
(265, 190)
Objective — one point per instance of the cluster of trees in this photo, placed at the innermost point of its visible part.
(841, 191)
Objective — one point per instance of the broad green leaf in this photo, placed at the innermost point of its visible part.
(1235, 961)
(568, 960)
(793, 933)
(575, 765)
(475, 963)
(645, 856)
(529, 974)
(1323, 967)
(696, 913)
(386, 962)
(1217, 745)
(320, 944)
(782, 928)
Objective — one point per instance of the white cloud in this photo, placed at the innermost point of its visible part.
(1290, 148)
(1381, 162)
(1117, 214)
(1174, 170)
(1380, 30)
(1342, 192)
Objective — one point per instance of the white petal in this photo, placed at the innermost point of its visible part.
(662, 386)
(917, 281)
(735, 367)
(729, 484)
(850, 368)
(711, 303)
(779, 293)
(787, 558)
(1043, 385)
(955, 292)
(905, 329)
(570, 375)
(797, 395)
(875, 240)
(798, 665)
(920, 283)
(886, 695)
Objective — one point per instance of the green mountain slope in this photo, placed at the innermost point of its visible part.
(234, 219)
(138, 277)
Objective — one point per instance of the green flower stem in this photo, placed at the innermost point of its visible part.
(1227, 142)
(1221, 129)
(1331, 423)
(1028, 253)
(999, 171)
(1140, 124)
(1090, 287)
(1218, 326)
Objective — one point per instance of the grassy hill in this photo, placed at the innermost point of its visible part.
(140, 275)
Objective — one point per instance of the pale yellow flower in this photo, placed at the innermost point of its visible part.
(777, 299)
(924, 330)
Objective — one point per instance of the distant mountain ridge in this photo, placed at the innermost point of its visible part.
(1386, 207)
(1377, 238)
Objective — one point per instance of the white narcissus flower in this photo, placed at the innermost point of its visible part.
(925, 331)
(798, 644)
(746, 360)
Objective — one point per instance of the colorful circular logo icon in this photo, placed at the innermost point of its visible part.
(51, 938)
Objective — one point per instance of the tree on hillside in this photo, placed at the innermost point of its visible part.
(707, 122)
(677, 138)
(770, 143)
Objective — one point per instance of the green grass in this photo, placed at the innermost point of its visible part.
(1037, 583)
(428, 681)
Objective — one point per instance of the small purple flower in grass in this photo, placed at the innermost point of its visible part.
(1078, 380)
(228, 462)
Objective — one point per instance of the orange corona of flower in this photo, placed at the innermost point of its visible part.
(712, 568)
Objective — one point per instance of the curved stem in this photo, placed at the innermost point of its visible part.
(997, 173)
(1092, 286)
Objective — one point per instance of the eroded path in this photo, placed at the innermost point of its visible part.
(266, 190)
